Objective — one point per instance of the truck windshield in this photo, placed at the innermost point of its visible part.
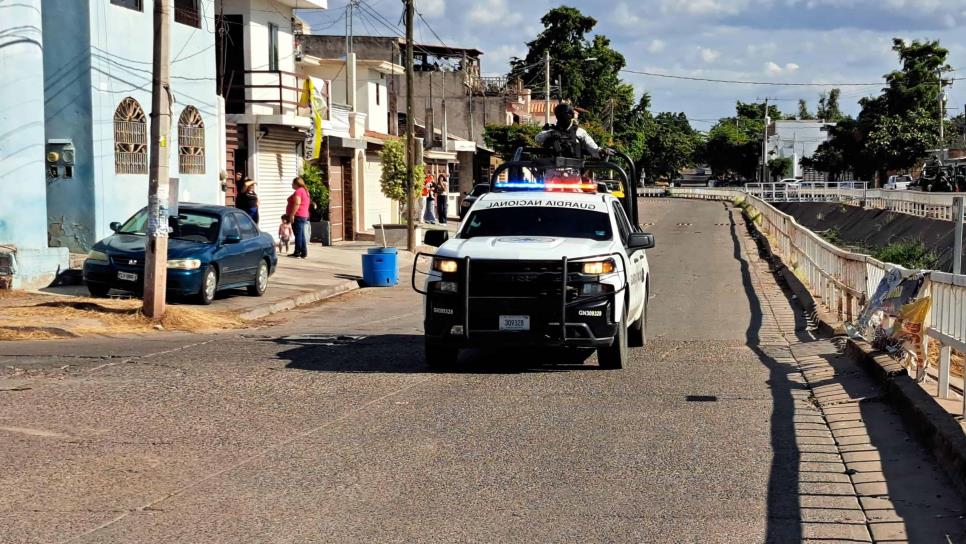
(538, 221)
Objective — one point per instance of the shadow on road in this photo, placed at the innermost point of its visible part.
(403, 354)
(784, 514)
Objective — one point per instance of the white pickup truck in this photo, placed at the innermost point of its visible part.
(536, 267)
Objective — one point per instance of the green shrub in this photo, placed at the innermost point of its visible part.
(908, 253)
(315, 182)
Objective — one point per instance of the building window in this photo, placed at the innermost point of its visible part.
(137, 5)
(191, 142)
(272, 47)
(130, 138)
(186, 12)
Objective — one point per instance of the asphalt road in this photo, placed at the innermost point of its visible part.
(328, 427)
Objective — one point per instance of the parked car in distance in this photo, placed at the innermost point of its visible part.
(470, 197)
(210, 249)
(898, 183)
(792, 183)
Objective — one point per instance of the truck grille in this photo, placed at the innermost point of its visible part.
(529, 279)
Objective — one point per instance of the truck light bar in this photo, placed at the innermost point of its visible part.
(572, 187)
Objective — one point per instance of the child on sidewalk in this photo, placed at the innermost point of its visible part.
(284, 233)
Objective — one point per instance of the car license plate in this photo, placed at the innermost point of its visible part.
(127, 276)
(514, 322)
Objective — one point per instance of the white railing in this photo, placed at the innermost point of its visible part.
(843, 281)
(931, 205)
(808, 191)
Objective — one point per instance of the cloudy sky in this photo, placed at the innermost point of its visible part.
(779, 41)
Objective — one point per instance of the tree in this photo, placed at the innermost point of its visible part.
(505, 139)
(780, 167)
(803, 112)
(315, 182)
(733, 145)
(594, 85)
(828, 106)
(671, 146)
(393, 179)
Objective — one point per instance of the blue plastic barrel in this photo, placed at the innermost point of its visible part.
(380, 267)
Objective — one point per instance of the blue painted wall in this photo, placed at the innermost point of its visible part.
(98, 63)
(67, 109)
(23, 206)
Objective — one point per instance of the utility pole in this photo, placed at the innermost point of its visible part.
(764, 148)
(942, 116)
(546, 87)
(156, 246)
(410, 136)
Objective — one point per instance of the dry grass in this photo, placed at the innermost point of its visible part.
(958, 359)
(27, 316)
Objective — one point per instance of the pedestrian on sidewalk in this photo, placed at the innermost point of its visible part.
(298, 213)
(442, 191)
(284, 233)
(430, 190)
(423, 193)
(247, 201)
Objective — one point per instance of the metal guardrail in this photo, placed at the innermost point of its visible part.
(808, 191)
(931, 205)
(843, 281)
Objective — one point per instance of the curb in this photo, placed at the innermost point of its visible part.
(939, 432)
(300, 300)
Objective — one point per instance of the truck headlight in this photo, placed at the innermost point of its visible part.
(95, 255)
(184, 264)
(445, 265)
(596, 268)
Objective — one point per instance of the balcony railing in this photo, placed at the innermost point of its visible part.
(265, 92)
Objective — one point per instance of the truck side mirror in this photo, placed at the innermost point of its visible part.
(640, 240)
(435, 237)
(115, 226)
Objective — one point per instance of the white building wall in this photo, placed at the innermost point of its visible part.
(375, 203)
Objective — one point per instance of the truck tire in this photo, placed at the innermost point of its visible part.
(440, 357)
(637, 334)
(615, 355)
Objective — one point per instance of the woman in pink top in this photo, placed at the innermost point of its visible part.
(298, 213)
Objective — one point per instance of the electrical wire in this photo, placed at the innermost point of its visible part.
(739, 82)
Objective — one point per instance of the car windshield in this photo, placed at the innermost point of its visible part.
(538, 221)
(188, 225)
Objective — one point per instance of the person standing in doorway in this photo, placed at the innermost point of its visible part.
(429, 189)
(442, 191)
(247, 200)
(298, 213)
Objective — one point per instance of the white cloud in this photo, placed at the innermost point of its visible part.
(710, 55)
(704, 7)
(656, 46)
(488, 12)
(431, 8)
(773, 69)
(792, 67)
(626, 17)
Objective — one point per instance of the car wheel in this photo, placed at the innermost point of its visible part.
(615, 355)
(98, 290)
(258, 288)
(637, 335)
(209, 286)
(440, 357)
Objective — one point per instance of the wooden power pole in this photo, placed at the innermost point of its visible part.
(156, 244)
(410, 136)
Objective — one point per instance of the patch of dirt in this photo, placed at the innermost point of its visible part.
(958, 359)
(30, 316)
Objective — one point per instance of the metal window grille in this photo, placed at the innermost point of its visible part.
(130, 138)
(191, 142)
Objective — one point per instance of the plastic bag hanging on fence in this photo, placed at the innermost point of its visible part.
(910, 331)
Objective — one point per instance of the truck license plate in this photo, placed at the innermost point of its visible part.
(514, 322)
(127, 276)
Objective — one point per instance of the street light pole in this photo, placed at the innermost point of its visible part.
(156, 246)
(546, 87)
(410, 136)
(764, 148)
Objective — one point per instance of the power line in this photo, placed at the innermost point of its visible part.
(739, 82)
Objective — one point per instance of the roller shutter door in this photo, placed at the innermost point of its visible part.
(277, 166)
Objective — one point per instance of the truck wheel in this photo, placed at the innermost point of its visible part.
(440, 357)
(615, 355)
(637, 334)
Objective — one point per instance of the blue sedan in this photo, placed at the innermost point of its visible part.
(210, 248)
